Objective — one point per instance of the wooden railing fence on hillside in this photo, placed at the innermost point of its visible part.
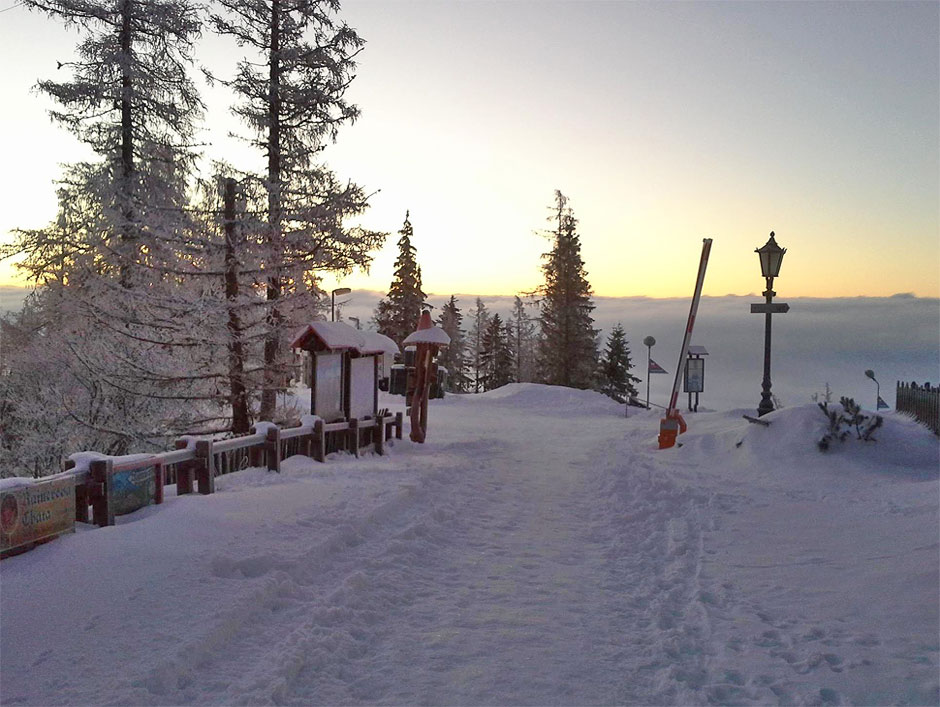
(109, 487)
(922, 402)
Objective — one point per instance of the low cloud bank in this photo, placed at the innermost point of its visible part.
(818, 341)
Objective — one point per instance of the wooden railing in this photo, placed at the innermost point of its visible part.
(109, 487)
(922, 402)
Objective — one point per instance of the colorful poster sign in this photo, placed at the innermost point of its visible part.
(36, 512)
(132, 490)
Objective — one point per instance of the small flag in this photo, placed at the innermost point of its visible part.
(882, 405)
(655, 367)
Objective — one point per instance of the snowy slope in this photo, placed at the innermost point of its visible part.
(538, 549)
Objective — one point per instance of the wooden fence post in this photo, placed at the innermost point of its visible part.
(273, 448)
(378, 435)
(353, 436)
(159, 480)
(81, 495)
(102, 508)
(184, 472)
(256, 454)
(205, 469)
(399, 423)
(319, 441)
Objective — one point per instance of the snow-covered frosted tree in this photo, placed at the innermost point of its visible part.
(397, 314)
(291, 91)
(568, 348)
(454, 356)
(110, 306)
(479, 320)
(524, 342)
(130, 98)
(614, 377)
(496, 357)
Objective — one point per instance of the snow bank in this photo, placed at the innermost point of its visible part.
(901, 447)
(549, 399)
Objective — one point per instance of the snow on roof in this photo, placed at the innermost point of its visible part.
(697, 350)
(377, 343)
(335, 336)
(339, 336)
(432, 335)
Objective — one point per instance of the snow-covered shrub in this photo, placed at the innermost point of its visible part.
(841, 423)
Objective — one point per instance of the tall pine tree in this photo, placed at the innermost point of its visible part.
(292, 97)
(615, 379)
(454, 356)
(479, 320)
(496, 357)
(396, 316)
(525, 342)
(568, 348)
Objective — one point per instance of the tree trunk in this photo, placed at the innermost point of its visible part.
(272, 337)
(127, 235)
(236, 355)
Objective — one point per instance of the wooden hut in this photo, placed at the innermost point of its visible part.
(343, 367)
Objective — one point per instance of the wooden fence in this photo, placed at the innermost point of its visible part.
(35, 512)
(922, 402)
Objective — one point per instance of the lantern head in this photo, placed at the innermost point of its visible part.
(771, 256)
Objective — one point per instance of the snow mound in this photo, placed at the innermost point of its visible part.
(902, 446)
(551, 399)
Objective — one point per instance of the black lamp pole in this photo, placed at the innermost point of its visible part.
(771, 256)
(650, 343)
(766, 399)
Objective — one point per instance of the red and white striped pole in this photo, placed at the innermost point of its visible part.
(673, 425)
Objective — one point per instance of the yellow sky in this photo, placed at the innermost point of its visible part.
(663, 123)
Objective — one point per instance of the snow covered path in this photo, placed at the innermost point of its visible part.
(538, 550)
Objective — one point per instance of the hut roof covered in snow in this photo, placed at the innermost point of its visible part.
(339, 336)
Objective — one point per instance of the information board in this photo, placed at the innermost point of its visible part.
(37, 512)
(362, 388)
(328, 386)
(695, 375)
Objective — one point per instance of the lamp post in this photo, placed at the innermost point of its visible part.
(771, 257)
(649, 342)
(871, 374)
(337, 291)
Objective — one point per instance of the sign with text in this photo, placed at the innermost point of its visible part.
(34, 513)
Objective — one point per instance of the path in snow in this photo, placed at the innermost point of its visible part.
(538, 550)
(507, 576)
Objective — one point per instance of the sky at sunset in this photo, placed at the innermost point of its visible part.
(663, 123)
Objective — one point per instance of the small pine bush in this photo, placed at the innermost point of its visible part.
(840, 424)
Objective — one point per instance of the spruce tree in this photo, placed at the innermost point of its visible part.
(496, 359)
(568, 349)
(397, 315)
(454, 356)
(524, 341)
(110, 263)
(292, 98)
(479, 319)
(616, 381)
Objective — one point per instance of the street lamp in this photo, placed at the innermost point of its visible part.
(771, 257)
(337, 291)
(871, 374)
(649, 342)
